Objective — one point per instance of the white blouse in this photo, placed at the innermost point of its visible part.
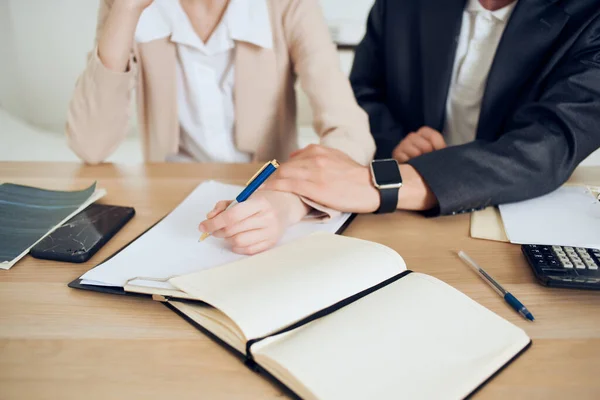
(206, 73)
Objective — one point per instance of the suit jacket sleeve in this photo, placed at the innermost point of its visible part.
(368, 83)
(542, 144)
(100, 108)
(338, 119)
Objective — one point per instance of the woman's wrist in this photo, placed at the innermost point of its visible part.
(116, 41)
(294, 209)
(129, 6)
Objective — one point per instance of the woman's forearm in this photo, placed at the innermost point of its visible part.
(116, 41)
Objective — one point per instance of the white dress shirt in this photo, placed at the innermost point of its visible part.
(206, 73)
(480, 36)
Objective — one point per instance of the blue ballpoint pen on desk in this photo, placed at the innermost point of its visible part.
(510, 299)
(253, 184)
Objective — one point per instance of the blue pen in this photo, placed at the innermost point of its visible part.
(253, 184)
(508, 297)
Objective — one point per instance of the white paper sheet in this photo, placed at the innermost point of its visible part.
(171, 248)
(569, 216)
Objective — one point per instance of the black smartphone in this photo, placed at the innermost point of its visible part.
(82, 236)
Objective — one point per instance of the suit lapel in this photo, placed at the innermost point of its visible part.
(440, 27)
(533, 27)
(254, 91)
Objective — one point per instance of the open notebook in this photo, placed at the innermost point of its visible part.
(171, 247)
(333, 317)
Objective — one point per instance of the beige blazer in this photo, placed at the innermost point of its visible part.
(265, 100)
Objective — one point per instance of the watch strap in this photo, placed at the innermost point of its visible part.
(389, 201)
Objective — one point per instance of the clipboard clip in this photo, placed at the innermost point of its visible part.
(155, 297)
(160, 298)
(145, 278)
(594, 191)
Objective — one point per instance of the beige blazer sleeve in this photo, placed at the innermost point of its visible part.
(338, 119)
(100, 110)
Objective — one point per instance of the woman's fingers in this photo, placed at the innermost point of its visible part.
(256, 221)
(255, 248)
(219, 208)
(233, 215)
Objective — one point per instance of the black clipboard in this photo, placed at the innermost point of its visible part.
(76, 284)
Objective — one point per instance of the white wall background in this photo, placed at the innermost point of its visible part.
(43, 49)
(51, 39)
(8, 84)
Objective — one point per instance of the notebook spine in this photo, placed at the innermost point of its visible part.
(249, 359)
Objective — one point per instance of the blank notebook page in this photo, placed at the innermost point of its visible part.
(272, 290)
(416, 338)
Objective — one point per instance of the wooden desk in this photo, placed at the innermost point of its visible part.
(60, 343)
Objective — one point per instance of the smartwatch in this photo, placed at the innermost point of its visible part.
(387, 179)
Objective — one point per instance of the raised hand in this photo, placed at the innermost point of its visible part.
(425, 140)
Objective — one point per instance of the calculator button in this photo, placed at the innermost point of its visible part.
(581, 250)
(574, 257)
(568, 265)
(579, 265)
(591, 265)
(568, 249)
(563, 259)
(556, 248)
(553, 263)
(538, 256)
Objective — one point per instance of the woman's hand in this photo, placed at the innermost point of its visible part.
(139, 4)
(258, 223)
(116, 40)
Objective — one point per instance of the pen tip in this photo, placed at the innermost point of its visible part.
(203, 237)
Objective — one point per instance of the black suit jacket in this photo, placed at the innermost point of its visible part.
(540, 115)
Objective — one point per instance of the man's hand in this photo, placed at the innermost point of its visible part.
(331, 178)
(328, 177)
(425, 140)
(258, 223)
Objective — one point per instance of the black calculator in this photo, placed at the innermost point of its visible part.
(564, 266)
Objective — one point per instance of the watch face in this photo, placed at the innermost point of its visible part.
(386, 172)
